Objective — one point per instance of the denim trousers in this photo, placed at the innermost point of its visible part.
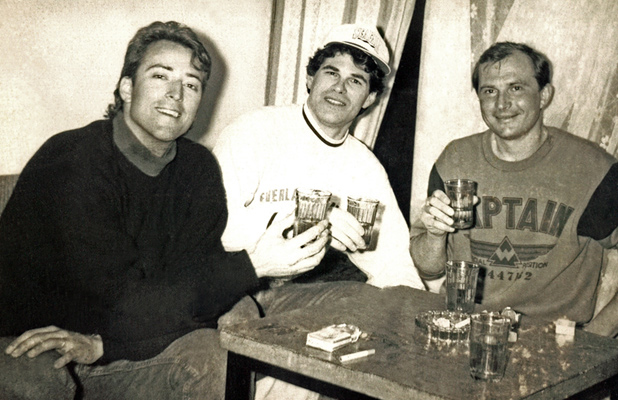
(191, 367)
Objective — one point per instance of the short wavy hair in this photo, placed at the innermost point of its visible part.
(157, 31)
(501, 50)
(361, 60)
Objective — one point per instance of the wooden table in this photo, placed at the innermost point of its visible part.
(406, 364)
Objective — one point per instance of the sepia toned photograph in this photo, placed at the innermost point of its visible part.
(309, 199)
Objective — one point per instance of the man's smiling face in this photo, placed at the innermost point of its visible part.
(338, 91)
(510, 98)
(162, 100)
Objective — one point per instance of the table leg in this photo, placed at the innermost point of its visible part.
(241, 373)
(240, 381)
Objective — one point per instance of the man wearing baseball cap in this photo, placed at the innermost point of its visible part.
(269, 153)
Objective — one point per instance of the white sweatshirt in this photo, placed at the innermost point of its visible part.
(265, 155)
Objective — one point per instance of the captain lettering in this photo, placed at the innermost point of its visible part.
(276, 195)
(551, 219)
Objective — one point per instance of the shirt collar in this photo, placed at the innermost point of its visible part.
(315, 127)
(136, 152)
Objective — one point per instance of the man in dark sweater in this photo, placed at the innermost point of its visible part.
(110, 246)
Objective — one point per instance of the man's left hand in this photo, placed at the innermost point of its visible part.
(83, 349)
(346, 231)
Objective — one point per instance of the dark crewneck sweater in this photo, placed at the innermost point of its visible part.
(90, 243)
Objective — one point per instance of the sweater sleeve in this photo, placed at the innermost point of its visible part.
(600, 218)
(435, 181)
(238, 151)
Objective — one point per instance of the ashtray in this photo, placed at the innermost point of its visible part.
(444, 326)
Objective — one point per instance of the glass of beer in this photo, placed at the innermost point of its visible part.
(364, 210)
(461, 279)
(489, 334)
(311, 207)
(461, 192)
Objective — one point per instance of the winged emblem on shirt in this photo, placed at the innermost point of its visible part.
(507, 254)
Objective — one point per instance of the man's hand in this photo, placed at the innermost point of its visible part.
(277, 257)
(73, 346)
(347, 232)
(437, 214)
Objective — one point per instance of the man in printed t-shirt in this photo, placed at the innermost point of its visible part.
(547, 200)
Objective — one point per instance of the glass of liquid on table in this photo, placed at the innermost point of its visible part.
(461, 279)
(489, 334)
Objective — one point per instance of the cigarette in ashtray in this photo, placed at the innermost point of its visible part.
(463, 323)
(446, 323)
(332, 337)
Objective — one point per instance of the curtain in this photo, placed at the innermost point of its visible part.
(300, 25)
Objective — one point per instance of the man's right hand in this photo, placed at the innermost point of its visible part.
(278, 257)
(83, 349)
(436, 214)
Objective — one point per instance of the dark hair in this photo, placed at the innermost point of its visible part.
(157, 31)
(499, 51)
(361, 60)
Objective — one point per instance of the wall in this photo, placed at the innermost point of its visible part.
(61, 61)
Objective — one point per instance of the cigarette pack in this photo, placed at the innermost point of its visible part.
(333, 337)
(565, 327)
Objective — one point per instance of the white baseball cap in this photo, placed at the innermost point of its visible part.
(363, 37)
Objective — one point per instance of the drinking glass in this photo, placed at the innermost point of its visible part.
(461, 192)
(489, 334)
(364, 210)
(461, 279)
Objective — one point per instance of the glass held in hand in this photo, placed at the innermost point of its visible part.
(365, 211)
(311, 207)
(462, 192)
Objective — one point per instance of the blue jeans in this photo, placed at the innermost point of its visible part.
(33, 379)
(192, 367)
(292, 296)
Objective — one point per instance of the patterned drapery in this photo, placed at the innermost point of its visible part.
(300, 25)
